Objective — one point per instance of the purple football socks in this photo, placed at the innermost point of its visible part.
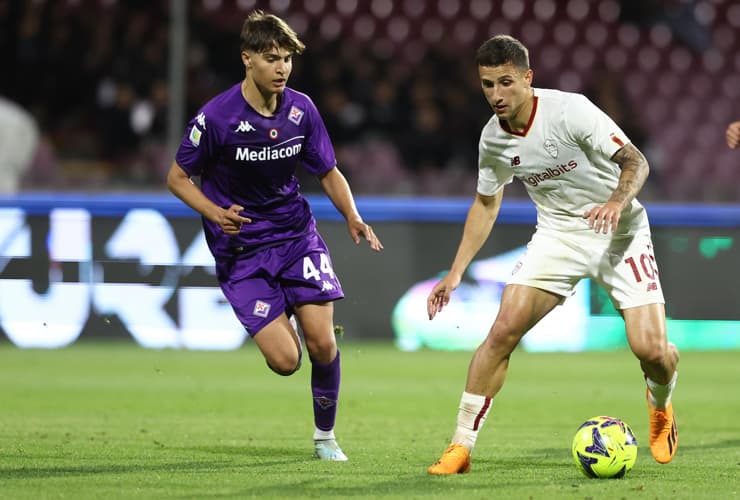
(325, 388)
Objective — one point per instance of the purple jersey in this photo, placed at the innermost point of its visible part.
(248, 159)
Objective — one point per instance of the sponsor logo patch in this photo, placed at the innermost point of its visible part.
(267, 153)
(195, 135)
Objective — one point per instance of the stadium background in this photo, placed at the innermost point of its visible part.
(111, 85)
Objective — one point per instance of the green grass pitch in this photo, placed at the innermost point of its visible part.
(110, 420)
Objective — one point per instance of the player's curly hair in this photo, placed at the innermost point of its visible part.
(262, 31)
(503, 49)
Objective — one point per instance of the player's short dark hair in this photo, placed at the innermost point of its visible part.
(261, 32)
(503, 49)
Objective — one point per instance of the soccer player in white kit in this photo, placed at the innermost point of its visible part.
(582, 173)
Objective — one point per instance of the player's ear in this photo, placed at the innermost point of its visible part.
(246, 59)
(529, 76)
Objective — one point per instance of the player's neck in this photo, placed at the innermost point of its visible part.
(520, 122)
(264, 103)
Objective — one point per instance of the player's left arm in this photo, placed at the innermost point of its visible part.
(635, 170)
(336, 187)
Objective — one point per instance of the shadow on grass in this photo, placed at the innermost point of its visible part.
(707, 445)
(30, 472)
(404, 486)
(253, 457)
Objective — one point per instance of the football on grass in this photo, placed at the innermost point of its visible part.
(604, 447)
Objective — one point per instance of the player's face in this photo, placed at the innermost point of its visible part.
(508, 90)
(269, 69)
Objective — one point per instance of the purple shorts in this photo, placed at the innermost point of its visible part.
(270, 281)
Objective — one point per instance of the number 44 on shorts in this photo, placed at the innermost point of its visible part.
(310, 270)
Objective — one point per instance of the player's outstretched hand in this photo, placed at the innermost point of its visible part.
(440, 294)
(231, 220)
(358, 228)
(605, 217)
(733, 135)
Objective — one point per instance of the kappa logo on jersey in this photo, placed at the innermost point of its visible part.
(618, 141)
(201, 119)
(261, 309)
(244, 126)
(551, 148)
(295, 115)
(327, 286)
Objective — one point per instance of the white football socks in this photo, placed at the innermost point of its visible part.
(473, 412)
(660, 395)
(319, 435)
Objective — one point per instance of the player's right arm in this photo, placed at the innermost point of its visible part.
(634, 171)
(180, 184)
(479, 222)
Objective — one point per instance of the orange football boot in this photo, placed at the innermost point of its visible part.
(455, 460)
(663, 432)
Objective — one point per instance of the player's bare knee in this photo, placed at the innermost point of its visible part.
(286, 365)
(652, 354)
(501, 341)
(504, 335)
(673, 352)
(322, 349)
(284, 371)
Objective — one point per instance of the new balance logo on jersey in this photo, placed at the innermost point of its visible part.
(327, 286)
(244, 126)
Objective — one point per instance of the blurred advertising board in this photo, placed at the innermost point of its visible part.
(136, 266)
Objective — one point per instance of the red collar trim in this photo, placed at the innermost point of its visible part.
(505, 124)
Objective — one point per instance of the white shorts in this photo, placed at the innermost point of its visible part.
(624, 266)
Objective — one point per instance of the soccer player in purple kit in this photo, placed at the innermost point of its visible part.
(271, 263)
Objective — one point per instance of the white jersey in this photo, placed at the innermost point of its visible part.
(563, 159)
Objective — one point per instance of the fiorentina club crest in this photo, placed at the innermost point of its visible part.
(324, 402)
(295, 115)
(261, 309)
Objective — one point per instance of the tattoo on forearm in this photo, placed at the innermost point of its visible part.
(634, 172)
